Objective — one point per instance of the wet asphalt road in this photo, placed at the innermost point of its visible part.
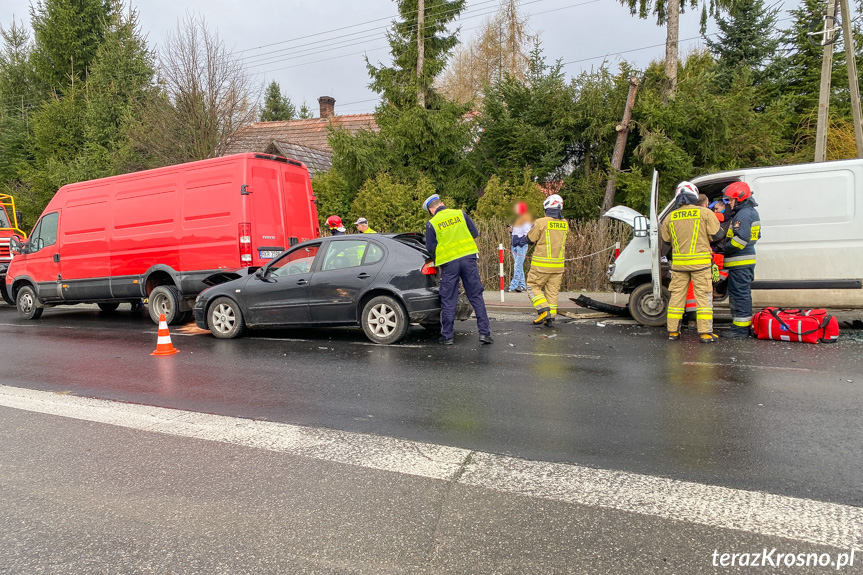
(767, 416)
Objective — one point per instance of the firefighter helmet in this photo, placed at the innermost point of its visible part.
(739, 191)
(334, 222)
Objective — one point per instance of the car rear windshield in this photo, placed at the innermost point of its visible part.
(414, 240)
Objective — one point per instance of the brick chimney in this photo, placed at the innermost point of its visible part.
(328, 106)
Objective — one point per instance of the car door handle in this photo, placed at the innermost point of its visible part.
(302, 282)
(56, 258)
(363, 276)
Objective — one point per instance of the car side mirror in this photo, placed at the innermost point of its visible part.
(640, 227)
(16, 246)
(19, 217)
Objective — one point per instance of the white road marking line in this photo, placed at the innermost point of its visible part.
(573, 355)
(805, 520)
(776, 367)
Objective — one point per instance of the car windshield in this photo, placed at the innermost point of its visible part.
(4, 219)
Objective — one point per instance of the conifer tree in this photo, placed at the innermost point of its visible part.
(277, 107)
(746, 42)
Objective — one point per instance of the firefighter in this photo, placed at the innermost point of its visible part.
(739, 252)
(450, 239)
(362, 226)
(548, 235)
(335, 225)
(689, 229)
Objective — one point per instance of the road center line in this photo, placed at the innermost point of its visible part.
(806, 520)
(775, 367)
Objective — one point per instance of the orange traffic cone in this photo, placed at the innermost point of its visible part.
(163, 344)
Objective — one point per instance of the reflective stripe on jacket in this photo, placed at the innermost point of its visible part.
(549, 237)
(454, 239)
(742, 234)
(689, 230)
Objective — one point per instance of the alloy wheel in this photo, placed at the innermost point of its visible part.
(224, 319)
(382, 320)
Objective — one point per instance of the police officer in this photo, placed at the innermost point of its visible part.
(548, 235)
(689, 229)
(739, 252)
(450, 240)
(362, 226)
(335, 225)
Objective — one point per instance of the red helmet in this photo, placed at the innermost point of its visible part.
(739, 191)
(334, 222)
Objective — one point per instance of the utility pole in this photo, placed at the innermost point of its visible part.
(421, 49)
(826, 76)
(853, 81)
(619, 146)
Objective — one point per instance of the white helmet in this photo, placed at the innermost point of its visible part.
(552, 201)
(686, 188)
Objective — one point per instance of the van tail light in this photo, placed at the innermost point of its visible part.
(245, 243)
(429, 269)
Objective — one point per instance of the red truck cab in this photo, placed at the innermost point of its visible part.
(9, 228)
(158, 234)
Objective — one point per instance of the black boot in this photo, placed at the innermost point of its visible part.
(736, 333)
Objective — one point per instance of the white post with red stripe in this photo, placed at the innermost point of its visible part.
(616, 255)
(500, 252)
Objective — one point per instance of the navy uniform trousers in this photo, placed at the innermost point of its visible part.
(740, 295)
(467, 270)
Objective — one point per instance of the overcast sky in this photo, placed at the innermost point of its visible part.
(315, 47)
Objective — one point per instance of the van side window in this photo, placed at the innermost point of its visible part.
(45, 232)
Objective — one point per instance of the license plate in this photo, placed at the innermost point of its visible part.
(268, 254)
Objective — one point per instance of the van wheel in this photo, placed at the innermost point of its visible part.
(384, 320)
(225, 319)
(646, 309)
(108, 307)
(165, 300)
(28, 304)
(4, 292)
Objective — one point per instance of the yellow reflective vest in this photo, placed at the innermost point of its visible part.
(454, 239)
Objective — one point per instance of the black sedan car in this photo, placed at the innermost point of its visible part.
(383, 283)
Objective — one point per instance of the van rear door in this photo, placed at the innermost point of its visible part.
(267, 213)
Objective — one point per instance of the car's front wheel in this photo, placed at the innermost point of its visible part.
(646, 309)
(225, 319)
(384, 320)
(28, 304)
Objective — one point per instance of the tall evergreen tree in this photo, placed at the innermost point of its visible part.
(305, 112)
(667, 14)
(16, 72)
(277, 107)
(400, 82)
(68, 34)
(746, 42)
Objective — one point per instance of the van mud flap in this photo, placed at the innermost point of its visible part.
(586, 302)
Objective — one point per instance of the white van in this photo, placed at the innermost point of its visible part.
(811, 249)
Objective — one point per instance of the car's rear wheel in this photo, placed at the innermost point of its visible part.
(165, 299)
(646, 309)
(28, 304)
(225, 319)
(108, 307)
(384, 320)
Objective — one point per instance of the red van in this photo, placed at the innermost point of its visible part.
(158, 233)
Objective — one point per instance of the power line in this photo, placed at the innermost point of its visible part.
(575, 5)
(375, 29)
(363, 39)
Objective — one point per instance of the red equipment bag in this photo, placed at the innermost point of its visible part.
(806, 326)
